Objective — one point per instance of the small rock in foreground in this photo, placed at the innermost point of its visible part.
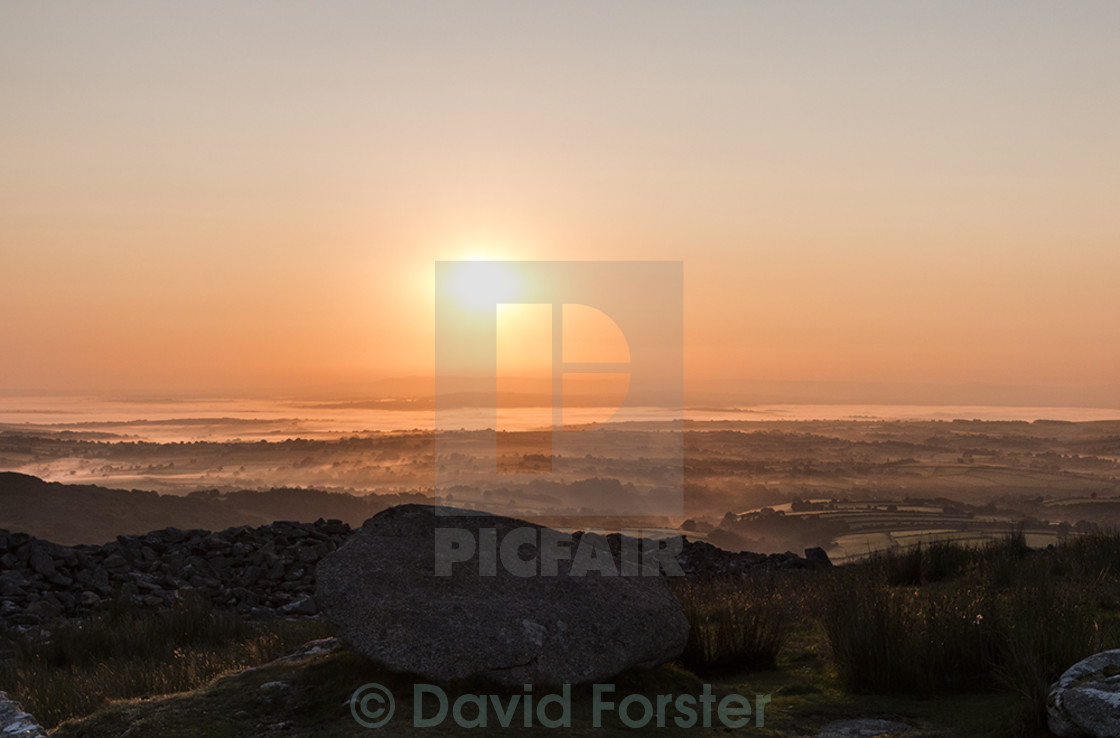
(1085, 701)
(16, 723)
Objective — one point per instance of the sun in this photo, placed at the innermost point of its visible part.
(480, 285)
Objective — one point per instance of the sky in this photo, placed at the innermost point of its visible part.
(233, 196)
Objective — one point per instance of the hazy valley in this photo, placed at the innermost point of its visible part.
(848, 485)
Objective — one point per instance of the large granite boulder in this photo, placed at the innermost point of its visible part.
(397, 603)
(1085, 701)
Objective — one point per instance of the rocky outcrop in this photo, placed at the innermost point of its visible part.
(386, 595)
(262, 572)
(1085, 701)
(700, 559)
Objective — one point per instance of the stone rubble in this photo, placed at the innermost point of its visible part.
(262, 572)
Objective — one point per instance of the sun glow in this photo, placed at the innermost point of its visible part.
(479, 285)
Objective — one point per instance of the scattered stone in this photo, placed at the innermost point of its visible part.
(258, 570)
(262, 572)
(1085, 701)
(280, 686)
(382, 593)
(305, 605)
(317, 647)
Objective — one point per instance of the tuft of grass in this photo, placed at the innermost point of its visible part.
(734, 625)
(1045, 629)
(122, 633)
(931, 562)
(123, 654)
(905, 639)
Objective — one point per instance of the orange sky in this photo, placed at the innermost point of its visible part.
(221, 197)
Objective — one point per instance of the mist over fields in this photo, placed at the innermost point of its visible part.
(851, 485)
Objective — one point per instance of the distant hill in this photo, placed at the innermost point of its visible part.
(72, 514)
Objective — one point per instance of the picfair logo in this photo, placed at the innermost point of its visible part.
(543, 354)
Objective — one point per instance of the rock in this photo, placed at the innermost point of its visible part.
(43, 610)
(115, 563)
(317, 647)
(381, 592)
(333, 526)
(11, 583)
(15, 722)
(1085, 701)
(174, 535)
(275, 693)
(305, 605)
(861, 728)
(41, 562)
(101, 581)
(818, 558)
(700, 559)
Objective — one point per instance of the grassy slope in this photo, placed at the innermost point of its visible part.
(983, 632)
(806, 694)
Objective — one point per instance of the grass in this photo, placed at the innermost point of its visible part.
(122, 654)
(931, 562)
(943, 619)
(735, 626)
(954, 641)
(310, 699)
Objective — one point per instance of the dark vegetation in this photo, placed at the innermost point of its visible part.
(946, 619)
(997, 624)
(736, 626)
(939, 620)
(125, 653)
